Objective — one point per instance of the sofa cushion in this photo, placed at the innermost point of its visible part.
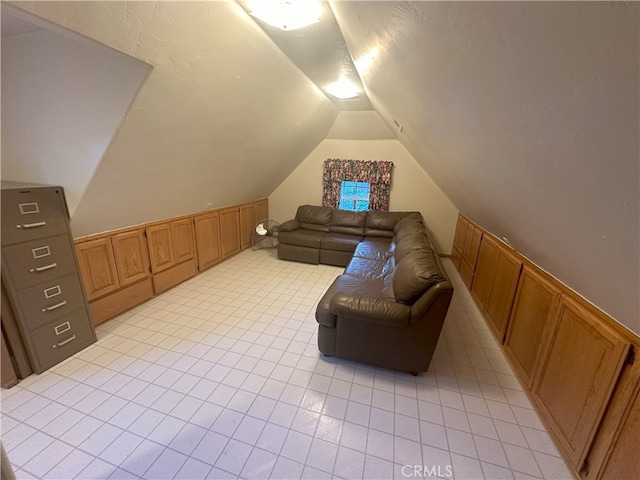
(410, 244)
(344, 283)
(376, 248)
(340, 241)
(312, 217)
(413, 276)
(380, 224)
(410, 225)
(345, 221)
(366, 268)
(387, 284)
(301, 237)
(298, 253)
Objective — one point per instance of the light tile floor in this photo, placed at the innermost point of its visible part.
(221, 378)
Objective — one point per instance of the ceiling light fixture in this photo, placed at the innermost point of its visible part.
(286, 14)
(343, 89)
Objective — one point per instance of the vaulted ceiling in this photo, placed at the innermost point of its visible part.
(525, 114)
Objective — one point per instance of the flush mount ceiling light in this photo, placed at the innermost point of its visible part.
(343, 89)
(286, 14)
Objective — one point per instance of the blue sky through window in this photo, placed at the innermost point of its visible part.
(354, 196)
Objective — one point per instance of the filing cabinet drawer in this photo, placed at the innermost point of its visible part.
(40, 261)
(49, 301)
(27, 215)
(62, 338)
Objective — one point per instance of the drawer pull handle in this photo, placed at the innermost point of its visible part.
(46, 267)
(53, 307)
(70, 339)
(32, 225)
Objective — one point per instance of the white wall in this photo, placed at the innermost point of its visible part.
(526, 115)
(223, 117)
(411, 187)
(62, 102)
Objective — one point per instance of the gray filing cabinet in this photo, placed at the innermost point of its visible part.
(40, 273)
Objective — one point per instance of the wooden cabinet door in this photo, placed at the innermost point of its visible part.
(472, 240)
(502, 291)
(624, 461)
(132, 258)
(97, 267)
(182, 239)
(207, 229)
(160, 247)
(471, 247)
(531, 314)
(613, 455)
(247, 224)
(458, 241)
(262, 210)
(230, 231)
(485, 268)
(582, 362)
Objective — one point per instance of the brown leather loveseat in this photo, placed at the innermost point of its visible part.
(388, 307)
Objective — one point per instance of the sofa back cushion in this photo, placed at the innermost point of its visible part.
(409, 225)
(380, 224)
(312, 217)
(344, 221)
(414, 275)
(410, 244)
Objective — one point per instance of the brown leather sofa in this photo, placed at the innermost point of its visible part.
(389, 305)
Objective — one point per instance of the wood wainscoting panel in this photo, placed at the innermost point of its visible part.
(207, 227)
(160, 247)
(536, 296)
(230, 231)
(97, 265)
(458, 241)
(119, 302)
(173, 276)
(182, 238)
(502, 290)
(247, 224)
(472, 240)
(624, 457)
(132, 257)
(485, 268)
(262, 209)
(614, 452)
(583, 360)
(471, 245)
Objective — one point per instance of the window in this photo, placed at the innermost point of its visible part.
(354, 196)
(356, 184)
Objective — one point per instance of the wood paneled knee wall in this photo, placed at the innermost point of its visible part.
(124, 268)
(576, 363)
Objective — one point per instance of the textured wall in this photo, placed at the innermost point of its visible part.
(223, 117)
(526, 115)
(62, 102)
(411, 187)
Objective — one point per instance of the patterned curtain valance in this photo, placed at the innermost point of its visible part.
(377, 174)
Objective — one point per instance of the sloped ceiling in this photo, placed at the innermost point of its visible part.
(526, 116)
(223, 117)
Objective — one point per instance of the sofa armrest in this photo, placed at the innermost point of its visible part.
(289, 226)
(373, 309)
